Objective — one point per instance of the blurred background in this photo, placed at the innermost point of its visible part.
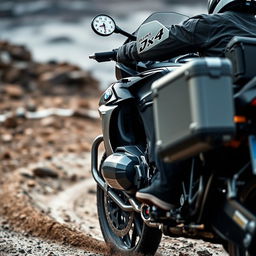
(59, 30)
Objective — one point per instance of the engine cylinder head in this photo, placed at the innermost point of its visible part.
(119, 171)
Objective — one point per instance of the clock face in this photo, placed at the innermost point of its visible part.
(103, 25)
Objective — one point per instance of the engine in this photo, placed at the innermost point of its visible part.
(125, 169)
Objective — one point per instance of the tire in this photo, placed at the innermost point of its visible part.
(248, 198)
(234, 250)
(125, 232)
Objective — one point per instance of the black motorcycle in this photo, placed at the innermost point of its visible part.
(216, 135)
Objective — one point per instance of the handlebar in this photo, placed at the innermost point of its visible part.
(104, 56)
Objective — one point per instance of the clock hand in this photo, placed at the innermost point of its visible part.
(104, 25)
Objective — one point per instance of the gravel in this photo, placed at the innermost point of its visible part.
(16, 244)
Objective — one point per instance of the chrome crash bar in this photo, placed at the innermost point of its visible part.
(134, 206)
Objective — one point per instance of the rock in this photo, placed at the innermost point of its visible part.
(58, 101)
(73, 148)
(77, 77)
(44, 172)
(21, 112)
(47, 155)
(7, 137)
(92, 191)
(55, 78)
(13, 75)
(31, 106)
(14, 91)
(5, 58)
(16, 52)
(22, 251)
(73, 178)
(11, 122)
(23, 216)
(85, 146)
(52, 62)
(204, 253)
(48, 131)
(40, 69)
(19, 52)
(26, 174)
(83, 103)
(31, 183)
(49, 190)
(67, 218)
(6, 155)
(48, 121)
(29, 131)
(18, 67)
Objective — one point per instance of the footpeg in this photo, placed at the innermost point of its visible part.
(153, 214)
(145, 213)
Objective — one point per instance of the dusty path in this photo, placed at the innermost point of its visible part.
(14, 243)
(76, 206)
(73, 207)
(46, 191)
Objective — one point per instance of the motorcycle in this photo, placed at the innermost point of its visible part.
(218, 191)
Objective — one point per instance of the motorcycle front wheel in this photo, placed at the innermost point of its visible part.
(125, 232)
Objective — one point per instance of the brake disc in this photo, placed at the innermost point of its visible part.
(126, 218)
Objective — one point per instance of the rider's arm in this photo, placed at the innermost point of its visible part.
(182, 39)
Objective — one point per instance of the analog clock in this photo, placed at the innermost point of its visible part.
(103, 25)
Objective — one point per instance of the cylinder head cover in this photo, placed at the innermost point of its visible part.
(119, 170)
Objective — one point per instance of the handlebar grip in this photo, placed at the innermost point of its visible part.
(104, 56)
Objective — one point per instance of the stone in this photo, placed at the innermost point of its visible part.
(48, 121)
(31, 183)
(26, 173)
(19, 52)
(7, 137)
(47, 155)
(13, 75)
(83, 103)
(13, 91)
(11, 122)
(6, 155)
(54, 78)
(44, 172)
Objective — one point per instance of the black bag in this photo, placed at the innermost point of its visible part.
(242, 53)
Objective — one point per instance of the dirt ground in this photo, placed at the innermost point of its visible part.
(30, 166)
(47, 192)
(48, 120)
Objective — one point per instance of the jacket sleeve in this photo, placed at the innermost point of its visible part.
(181, 41)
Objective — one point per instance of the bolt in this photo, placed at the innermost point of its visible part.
(251, 227)
(247, 240)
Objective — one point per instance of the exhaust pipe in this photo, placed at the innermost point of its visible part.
(134, 206)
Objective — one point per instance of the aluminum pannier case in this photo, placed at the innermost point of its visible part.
(193, 108)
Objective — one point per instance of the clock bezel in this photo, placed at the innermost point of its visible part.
(97, 32)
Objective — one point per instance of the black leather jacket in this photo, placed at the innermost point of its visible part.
(206, 34)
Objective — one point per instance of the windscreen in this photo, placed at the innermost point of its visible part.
(166, 18)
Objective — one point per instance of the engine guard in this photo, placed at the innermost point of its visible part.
(133, 206)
